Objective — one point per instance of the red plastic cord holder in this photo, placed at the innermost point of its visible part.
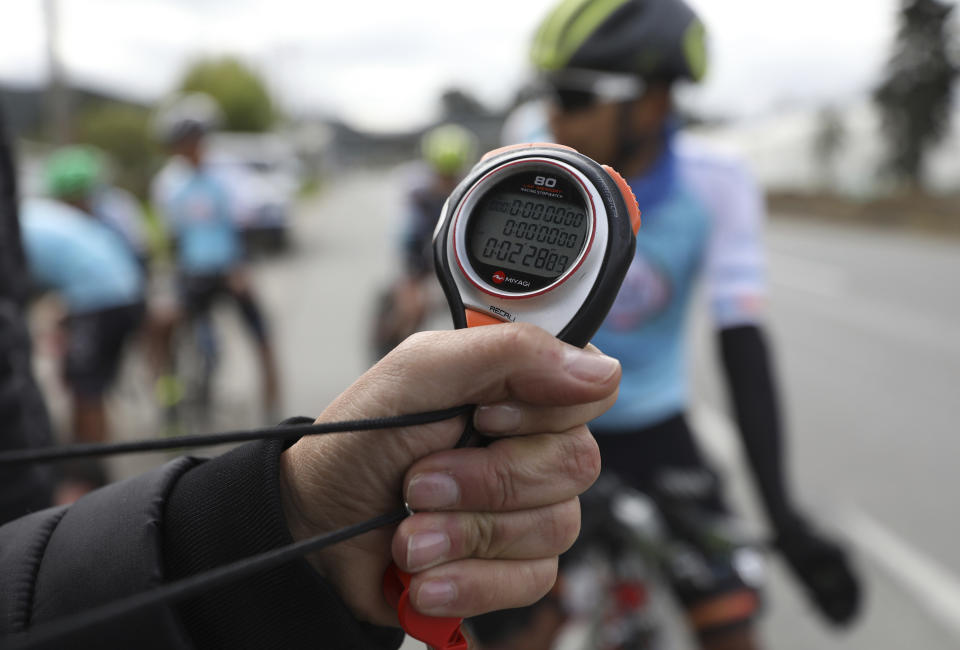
(438, 633)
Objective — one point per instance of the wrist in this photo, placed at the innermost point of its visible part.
(290, 499)
(294, 502)
(302, 488)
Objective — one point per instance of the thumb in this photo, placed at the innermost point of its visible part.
(484, 365)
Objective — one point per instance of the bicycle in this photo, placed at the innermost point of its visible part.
(612, 591)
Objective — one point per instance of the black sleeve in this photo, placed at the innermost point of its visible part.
(749, 373)
(102, 549)
(229, 508)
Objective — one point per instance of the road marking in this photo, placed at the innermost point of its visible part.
(717, 434)
(934, 587)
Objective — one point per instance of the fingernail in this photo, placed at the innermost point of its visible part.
(432, 491)
(426, 549)
(434, 594)
(499, 418)
(589, 366)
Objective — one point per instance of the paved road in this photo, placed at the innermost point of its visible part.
(866, 331)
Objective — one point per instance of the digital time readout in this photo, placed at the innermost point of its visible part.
(536, 233)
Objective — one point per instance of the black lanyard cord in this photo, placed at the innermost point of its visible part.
(49, 454)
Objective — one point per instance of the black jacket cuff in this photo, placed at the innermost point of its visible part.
(229, 508)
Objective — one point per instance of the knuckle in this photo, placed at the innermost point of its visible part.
(496, 593)
(516, 584)
(522, 338)
(481, 535)
(503, 486)
(548, 577)
(515, 337)
(536, 579)
(415, 341)
(580, 457)
(565, 525)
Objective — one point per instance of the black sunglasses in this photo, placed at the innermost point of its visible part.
(576, 90)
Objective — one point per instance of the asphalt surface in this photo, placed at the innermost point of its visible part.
(865, 329)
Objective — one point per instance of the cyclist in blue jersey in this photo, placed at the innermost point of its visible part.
(608, 68)
(101, 284)
(198, 209)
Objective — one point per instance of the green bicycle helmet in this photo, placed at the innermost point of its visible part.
(653, 39)
(74, 172)
(449, 149)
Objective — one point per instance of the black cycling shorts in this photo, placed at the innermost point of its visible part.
(200, 292)
(95, 341)
(664, 462)
(642, 456)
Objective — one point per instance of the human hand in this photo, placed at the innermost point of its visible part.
(489, 521)
(824, 569)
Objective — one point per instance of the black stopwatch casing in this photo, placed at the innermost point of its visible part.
(496, 264)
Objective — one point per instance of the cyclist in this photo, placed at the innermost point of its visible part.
(198, 208)
(102, 287)
(77, 175)
(609, 68)
(447, 152)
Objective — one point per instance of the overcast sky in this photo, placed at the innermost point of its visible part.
(381, 63)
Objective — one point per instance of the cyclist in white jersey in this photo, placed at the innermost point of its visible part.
(608, 67)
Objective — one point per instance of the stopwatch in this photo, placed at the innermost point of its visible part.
(536, 233)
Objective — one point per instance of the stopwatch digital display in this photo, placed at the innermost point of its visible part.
(536, 233)
(530, 227)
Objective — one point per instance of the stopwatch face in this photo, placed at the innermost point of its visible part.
(528, 229)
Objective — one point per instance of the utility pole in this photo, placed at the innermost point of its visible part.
(58, 100)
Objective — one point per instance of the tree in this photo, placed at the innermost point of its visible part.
(241, 93)
(123, 131)
(916, 95)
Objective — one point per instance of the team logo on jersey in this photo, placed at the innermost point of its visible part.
(644, 294)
